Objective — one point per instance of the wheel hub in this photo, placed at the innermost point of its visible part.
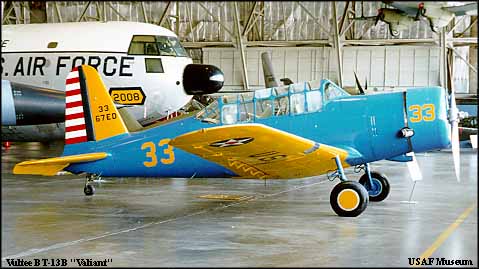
(375, 189)
(348, 200)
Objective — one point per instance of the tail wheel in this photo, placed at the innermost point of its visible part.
(89, 190)
(349, 199)
(380, 189)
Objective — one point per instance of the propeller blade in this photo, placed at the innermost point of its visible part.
(413, 167)
(456, 150)
(454, 120)
(361, 91)
(366, 85)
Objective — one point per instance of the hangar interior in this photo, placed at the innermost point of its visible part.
(149, 222)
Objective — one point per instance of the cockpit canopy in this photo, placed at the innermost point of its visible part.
(156, 45)
(294, 99)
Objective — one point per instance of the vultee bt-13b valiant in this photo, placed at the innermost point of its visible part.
(295, 131)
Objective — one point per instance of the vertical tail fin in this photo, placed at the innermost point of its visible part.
(90, 114)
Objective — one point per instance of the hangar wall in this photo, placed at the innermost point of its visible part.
(385, 67)
(200, 24)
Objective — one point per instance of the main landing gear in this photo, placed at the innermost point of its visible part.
(89, 190)
(350, 198)
(375, 183)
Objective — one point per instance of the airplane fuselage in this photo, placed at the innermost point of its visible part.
(135, 71)
(368, 126)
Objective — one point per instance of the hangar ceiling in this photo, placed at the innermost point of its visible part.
(213, 23)
(257, 24)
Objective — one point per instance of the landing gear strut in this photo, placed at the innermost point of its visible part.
(376, 184)
(89, 190)
(348, 198)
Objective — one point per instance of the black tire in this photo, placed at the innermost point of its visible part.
(382, 187)
(89, 190)
(352, 208)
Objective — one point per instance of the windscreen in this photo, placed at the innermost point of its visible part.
(156, 45)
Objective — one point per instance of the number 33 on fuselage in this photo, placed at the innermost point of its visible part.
(151, 153)
(422, 113)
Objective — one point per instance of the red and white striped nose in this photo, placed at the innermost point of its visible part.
(75, 128)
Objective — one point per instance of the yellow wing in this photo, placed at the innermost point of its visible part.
(259, 151)
(50, 166)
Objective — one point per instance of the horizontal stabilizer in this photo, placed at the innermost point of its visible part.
(51, 166)
(259, 151)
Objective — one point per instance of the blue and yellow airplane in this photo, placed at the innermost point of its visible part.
(294, 131)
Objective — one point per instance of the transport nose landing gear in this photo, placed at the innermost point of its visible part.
(348, 198)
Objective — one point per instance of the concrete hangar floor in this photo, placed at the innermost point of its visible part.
(163, 222)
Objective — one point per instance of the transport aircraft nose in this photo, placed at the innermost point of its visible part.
(202, 79)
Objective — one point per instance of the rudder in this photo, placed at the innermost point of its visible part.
(90, 114)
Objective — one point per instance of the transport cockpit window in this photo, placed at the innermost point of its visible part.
(175, 43)
(153, 65)
(52, 45)
(156, 45)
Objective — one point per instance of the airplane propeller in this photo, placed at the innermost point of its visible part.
(454, 120)
(361, 91)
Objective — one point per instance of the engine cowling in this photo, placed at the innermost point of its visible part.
(28, 105)
(201, 79)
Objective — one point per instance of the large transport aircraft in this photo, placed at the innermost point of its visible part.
(142, 66)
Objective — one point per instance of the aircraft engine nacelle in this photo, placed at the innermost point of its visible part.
(27, 105)
(202, 79)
